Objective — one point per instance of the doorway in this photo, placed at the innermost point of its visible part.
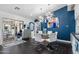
(10, 28)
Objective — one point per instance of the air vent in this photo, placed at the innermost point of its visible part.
(17, 8)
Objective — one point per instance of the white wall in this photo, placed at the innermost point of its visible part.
(77, 17)
(1, 36)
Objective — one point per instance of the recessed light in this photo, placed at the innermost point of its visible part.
(48, 4)
(40, 8)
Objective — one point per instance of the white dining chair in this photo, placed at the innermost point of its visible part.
(49, 32)
(38, 37)
(40, 32)
(32, 34)
(53, 37)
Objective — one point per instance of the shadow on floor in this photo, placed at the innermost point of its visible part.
(29, 48)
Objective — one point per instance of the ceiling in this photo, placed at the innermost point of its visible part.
(27, 10)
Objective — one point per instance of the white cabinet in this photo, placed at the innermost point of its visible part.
(75, 44)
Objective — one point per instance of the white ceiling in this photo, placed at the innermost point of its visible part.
(27, 10)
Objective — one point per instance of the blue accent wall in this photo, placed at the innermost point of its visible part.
(66, 23)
